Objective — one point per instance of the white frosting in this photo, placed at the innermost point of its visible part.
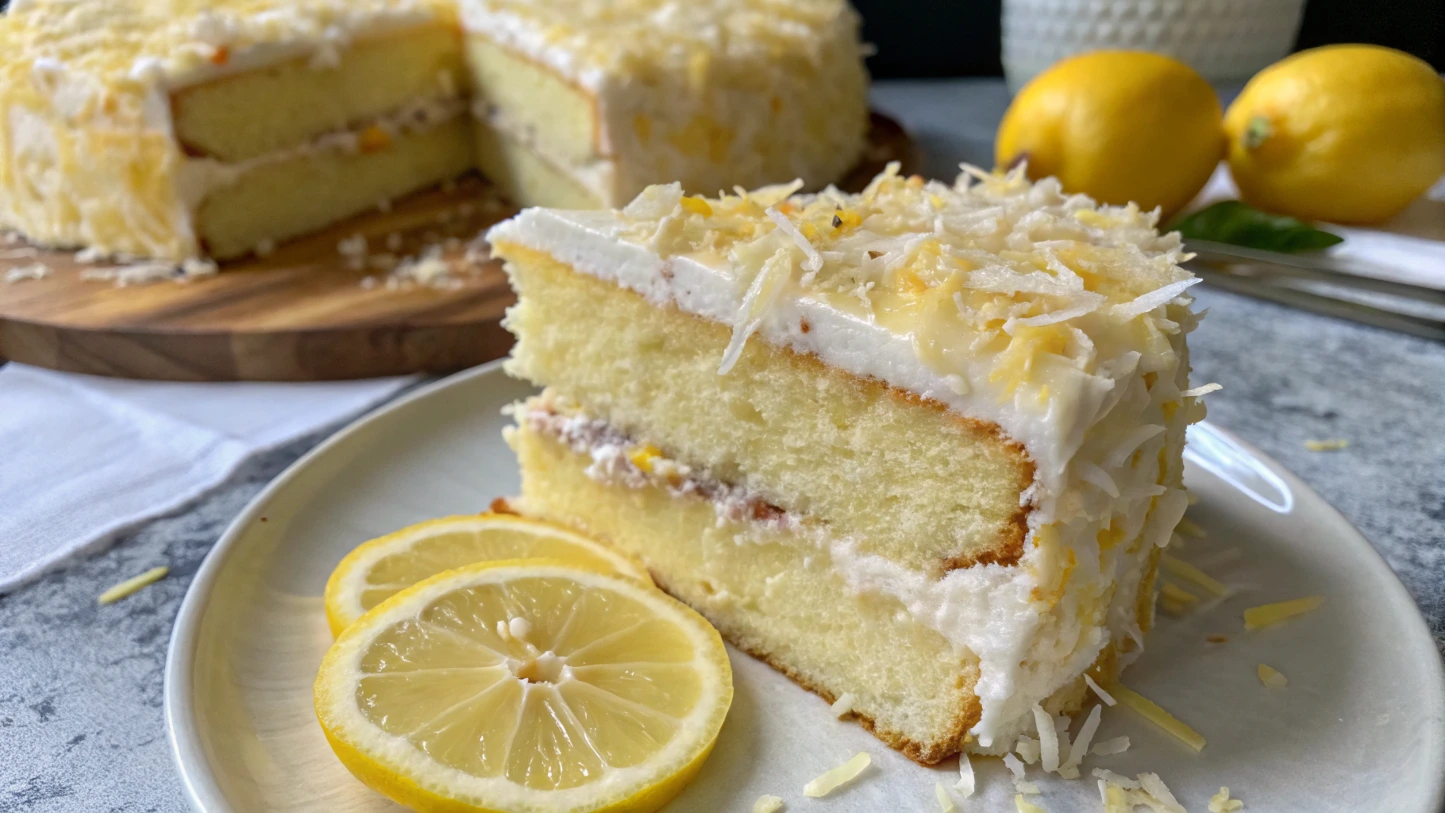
(1034, 626)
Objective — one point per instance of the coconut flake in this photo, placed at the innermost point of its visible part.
(1155, 787)
(1014, 766)
(1086, 735)
(1109, 747)
(1204, 390)
(1099, 691)
(1221, 803)
(1028, 750)
(768, 804)
(945, 802)
(814, 261)
(833, 778)
(1089, 302)
(1090, 472)
(1115, 779)
(1160, 296)
(757, 302)
(842, 705)
(965, 783)
(1133, 439)
(1048, 739)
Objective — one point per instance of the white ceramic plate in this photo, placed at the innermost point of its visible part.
(1361, 726)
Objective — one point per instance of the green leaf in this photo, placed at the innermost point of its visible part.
(1233, 222)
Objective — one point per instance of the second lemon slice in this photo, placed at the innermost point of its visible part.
(384, 566)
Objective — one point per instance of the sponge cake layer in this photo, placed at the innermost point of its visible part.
(287, 198)
(259, 111)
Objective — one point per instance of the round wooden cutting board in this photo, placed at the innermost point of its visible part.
(301, 313)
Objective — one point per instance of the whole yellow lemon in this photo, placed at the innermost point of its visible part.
(1118, 126)
(1344, 133)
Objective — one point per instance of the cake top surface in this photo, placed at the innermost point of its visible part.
(991, 265)
(590, 40)
(101, 60)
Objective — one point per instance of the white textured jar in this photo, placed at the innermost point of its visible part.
(1225, 40)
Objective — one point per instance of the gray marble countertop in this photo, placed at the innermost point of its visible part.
(81, 726)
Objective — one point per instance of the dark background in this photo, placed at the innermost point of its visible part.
(961, 37)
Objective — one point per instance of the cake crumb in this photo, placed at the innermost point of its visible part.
(143, 273)
(91, 255)
(1216, 638)
(1221, 803)
(353, 249)
(429, 269)
(24, 273)
(834, 778)
(1328, 445)
(133, 585)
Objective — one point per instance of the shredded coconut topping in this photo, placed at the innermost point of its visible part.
(1020, 262)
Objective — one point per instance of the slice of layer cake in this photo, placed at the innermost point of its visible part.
(920, 446)
(581, 104)
(178, 130)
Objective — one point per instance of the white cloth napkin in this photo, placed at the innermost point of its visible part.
(84, 459)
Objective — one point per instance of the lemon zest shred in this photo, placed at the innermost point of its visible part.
(1267, 615)
(1174, 592)
(1151, 711)
(1271, 677)
(945, 802)
(1183, 570)
(698, 205)
(133, 585)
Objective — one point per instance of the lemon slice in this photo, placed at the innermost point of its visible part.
(525, 686)
(378, 569)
